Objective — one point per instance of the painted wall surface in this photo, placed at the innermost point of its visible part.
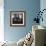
(43, 6)
(30, 6)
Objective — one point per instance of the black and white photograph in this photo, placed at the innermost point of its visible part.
(17, 18)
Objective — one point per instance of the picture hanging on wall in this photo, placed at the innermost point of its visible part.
(17, 18)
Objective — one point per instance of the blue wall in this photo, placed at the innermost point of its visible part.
(30, 6)
(43, 6)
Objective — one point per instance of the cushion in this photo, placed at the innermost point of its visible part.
(20, 42)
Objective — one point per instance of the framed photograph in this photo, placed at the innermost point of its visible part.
(17, 18)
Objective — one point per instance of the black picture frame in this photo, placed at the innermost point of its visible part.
(17, 18)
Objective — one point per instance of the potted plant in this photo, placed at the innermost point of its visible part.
(39, 16)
